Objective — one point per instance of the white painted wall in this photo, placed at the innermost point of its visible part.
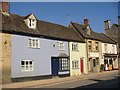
(109, 49)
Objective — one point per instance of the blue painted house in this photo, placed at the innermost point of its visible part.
(38, 48)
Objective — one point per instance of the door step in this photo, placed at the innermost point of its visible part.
(54, 77)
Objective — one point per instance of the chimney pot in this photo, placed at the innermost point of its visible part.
(107, 24)
(86, 21)
(5, 6)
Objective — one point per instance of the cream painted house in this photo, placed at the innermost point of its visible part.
(78, 60)
(94, 42)
(110, 56)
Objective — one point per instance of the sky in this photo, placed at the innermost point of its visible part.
(64, 12)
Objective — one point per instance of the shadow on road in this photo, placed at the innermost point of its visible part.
(113, 83)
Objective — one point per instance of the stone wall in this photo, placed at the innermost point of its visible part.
(5, 57)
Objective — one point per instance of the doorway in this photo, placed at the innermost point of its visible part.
(82, 66)
(55, 66)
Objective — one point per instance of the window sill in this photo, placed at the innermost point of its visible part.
(61, 50)
(63, 70)
(27, 71)
(75, 68)
(75, 50)
(34, 47)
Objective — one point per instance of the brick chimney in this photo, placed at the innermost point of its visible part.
(107, 24)
(5, 6)
(86, 21)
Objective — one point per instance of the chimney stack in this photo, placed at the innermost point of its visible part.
(107, 24)
(86, 21)
(5, 6)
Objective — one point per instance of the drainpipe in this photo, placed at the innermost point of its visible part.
(118, 56)
(87, 55)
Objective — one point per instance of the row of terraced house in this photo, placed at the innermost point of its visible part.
(33, 49)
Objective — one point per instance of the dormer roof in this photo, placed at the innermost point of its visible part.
(32, 16)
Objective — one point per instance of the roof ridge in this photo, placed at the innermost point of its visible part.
(108, 37)
(38, 19)
(53, 23)
(77, 23)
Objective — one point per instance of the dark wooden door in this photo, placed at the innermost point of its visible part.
(55, 66)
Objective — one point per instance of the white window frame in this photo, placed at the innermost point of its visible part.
(97, 45)
(75, 64)
(74, 46)
(33, 43)
(106, 48)
(64, 64)
(60, 45)
(26, 67)
(90, 45)
(31, 23)
(113, 48)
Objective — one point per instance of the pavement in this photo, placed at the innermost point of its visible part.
(56, 81)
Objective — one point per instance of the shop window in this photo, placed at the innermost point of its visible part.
(110, 61)
(64, 64)
(95, 62)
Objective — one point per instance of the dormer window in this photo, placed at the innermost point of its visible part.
(32, 23)
(88, 30)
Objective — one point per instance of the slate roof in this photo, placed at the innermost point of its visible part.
(93, 35)
(15, 23)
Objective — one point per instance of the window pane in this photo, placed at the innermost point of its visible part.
(36, 43)
(26, 62)
(33, 43)
(22, 63)
(30, 22)
(27, 68)
(30, 62)
(29, 42)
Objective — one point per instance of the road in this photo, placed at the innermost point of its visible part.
(99, 81)
(109, 79)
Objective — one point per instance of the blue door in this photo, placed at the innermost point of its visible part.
(55, 66)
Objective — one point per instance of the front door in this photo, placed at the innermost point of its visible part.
(55, 66)
(90, 65)
(82, 66)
